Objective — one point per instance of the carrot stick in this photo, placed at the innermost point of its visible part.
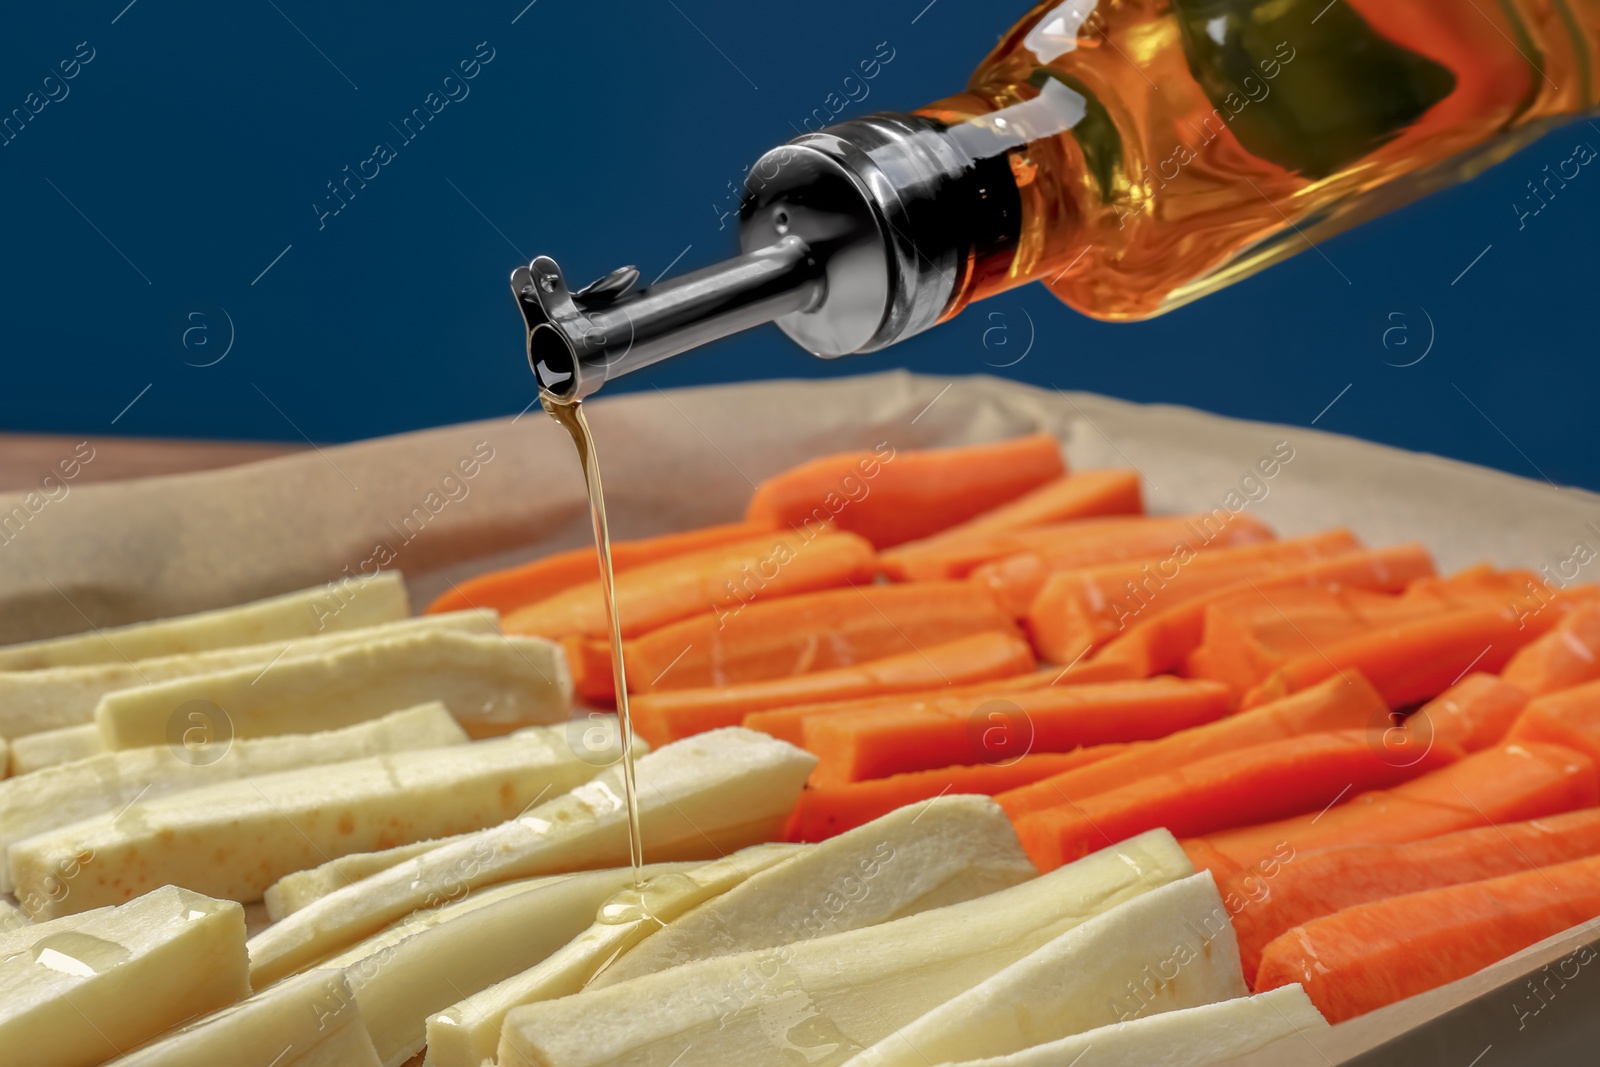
(1064, 546)
(721, 580)
(1336, 704)
(1365, 957)
(589, 663)
(676, 713)
(892, 497)
(1271, 781)
(1570, 717)
(1076, 495)
(1163, 635)
(512, 588)
(1328, 880)
(787, 724)
(1080, 610)
(811, 632)
(856, 746)
(823, 813)
(1475, 713)
(1565, 656)
(1016, 578)
(1413, 661)
(1508, 783)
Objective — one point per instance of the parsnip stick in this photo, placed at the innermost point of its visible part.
(49, 748)
(294, 891)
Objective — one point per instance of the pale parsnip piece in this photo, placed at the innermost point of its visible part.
(47, 748)
(1212, 1034)
(102, 784)
(828, 998)
(49, 698)
(12, 917)
(234, 839)
(400, 985)
(698, 797)
(922, 856)
(129, 972)
(468, 1032)
(1165, 950)
(491, 684)
(346, 604)
(348, 1046)
(290, 1020)
(294, 891)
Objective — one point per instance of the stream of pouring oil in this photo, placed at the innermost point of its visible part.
(570, 415)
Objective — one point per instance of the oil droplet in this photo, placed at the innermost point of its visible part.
(77, 954)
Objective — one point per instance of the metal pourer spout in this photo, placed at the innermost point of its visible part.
(852, 239)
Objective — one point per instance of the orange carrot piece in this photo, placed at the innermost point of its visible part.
(856, 746)
(676, 713)
(515, 587)
(787, 724)
(1475, 713)
(1270, 781)
(1162, 636)
(589, 663)
(1414, 661)
(1066, 546)
(1332, 879)
(811, 632)
(1565, 656)
(1508, 783)
(824, 813)
(1362, 958)
(1016, 579)
(720, 580)
(1078, 611)
(1336, 704)
(1076, 495)
(1570, 717)
(892, 497)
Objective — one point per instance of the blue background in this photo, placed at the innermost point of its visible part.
(190, 152)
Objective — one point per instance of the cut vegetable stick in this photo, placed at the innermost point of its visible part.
(77, 994)
(891, 497)
(1365, 957)
(1413, 661)
(1322, 882)
(719, 791)
(859, 746)
(1508, 783)
(722, 580)
(1067, 546)
(491, 684)
(348, 1046)
(938, 852)
(1474, 713)
(49, 748)
(1569, 717)
(1163, 636)
(1565, 656)
(108, 782)
(1275, 780)
(11, 917)
(788, 723)
(1111, 969)
(809, 633)
(298, 888)
(675, 713)
(347, 604)
(849, 989)
(1206, 1036)
(515, 587)
(825, 812)
(1078, 611)
(1076, 495)
(1015, 577)
(1336, 704)
(234, 839)
(290, 1020)
(467, 1033)
(49, 698)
